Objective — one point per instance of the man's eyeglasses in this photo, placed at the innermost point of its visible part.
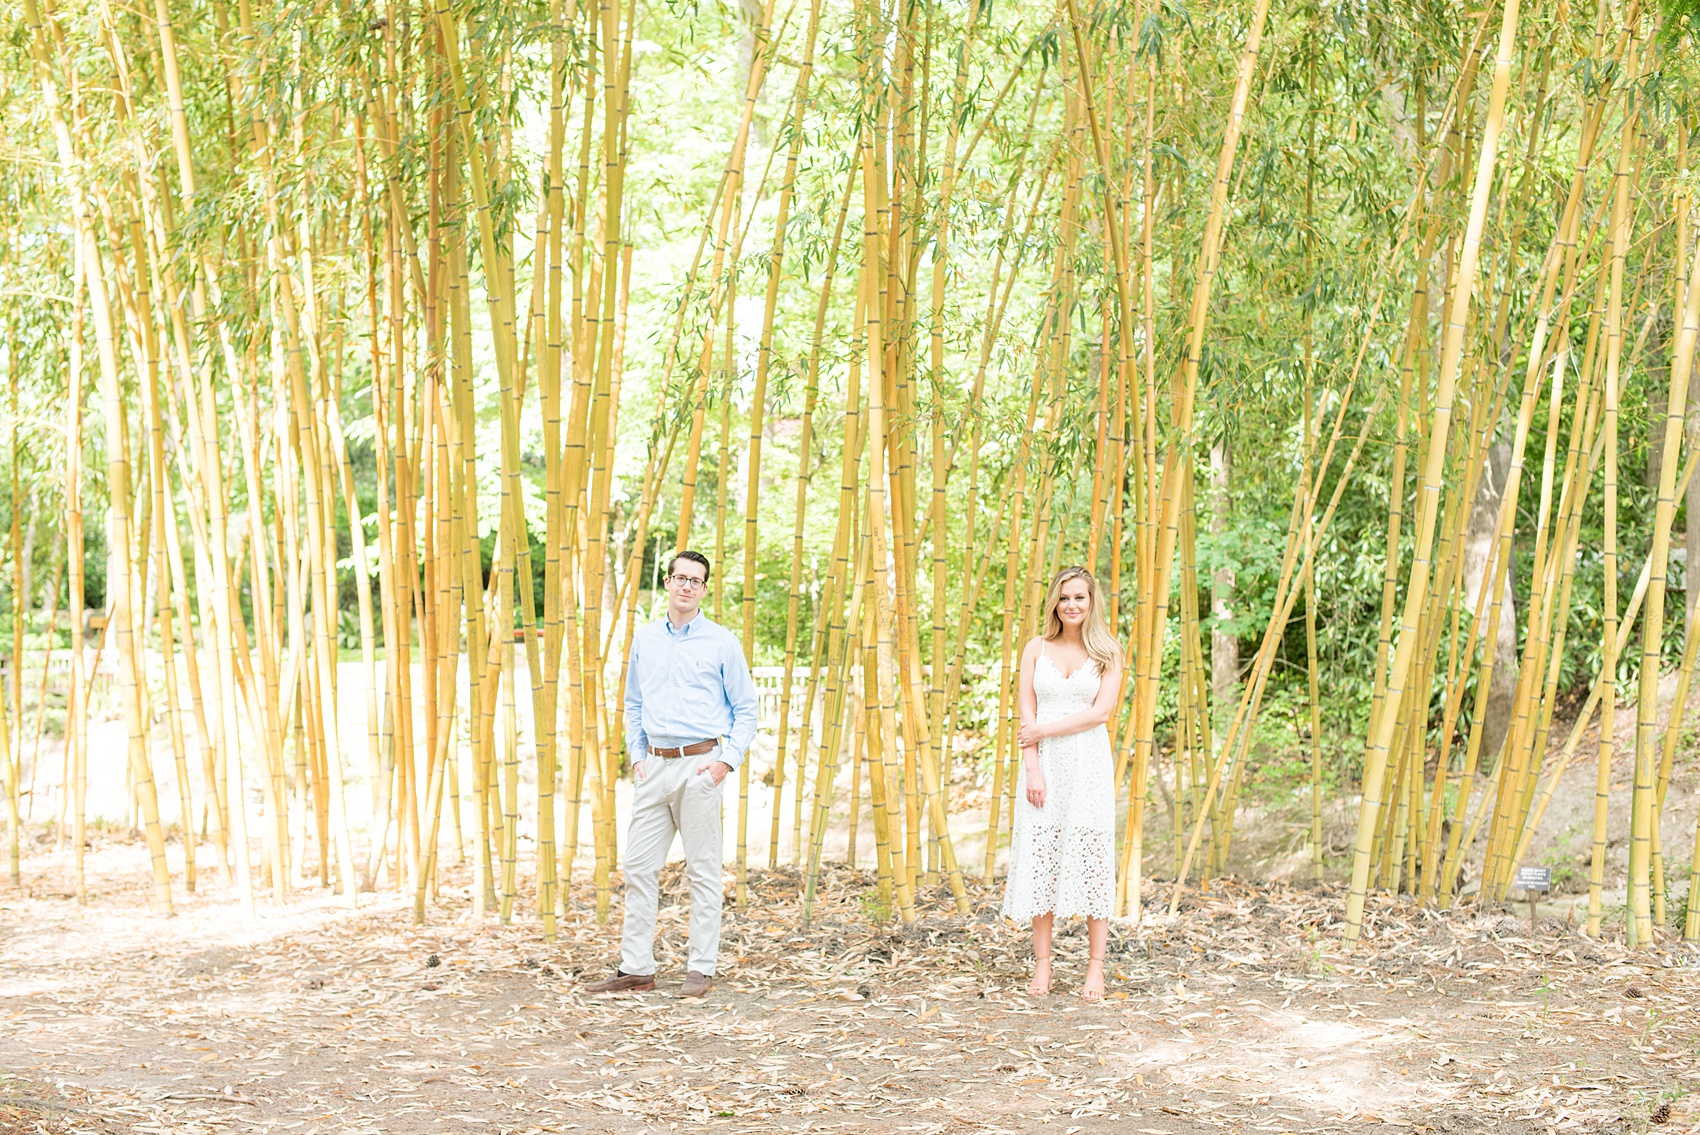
(686, 581)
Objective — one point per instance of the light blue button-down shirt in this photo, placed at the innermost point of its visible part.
(689, 684)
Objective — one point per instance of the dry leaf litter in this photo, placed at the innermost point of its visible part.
(1242, 1013)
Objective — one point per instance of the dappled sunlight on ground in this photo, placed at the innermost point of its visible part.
(1240, 1013)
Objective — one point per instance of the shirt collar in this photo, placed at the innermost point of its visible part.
(686, 630)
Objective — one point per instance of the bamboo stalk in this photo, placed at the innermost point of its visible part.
(1416, 592)
(1608, 665)
(1643, 817)
(14, 759)
(1149, 630)
(794, 597)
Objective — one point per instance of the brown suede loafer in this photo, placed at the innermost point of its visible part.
(696, 984)
(623, 983)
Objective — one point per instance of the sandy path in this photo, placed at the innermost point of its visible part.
(1241, 1014)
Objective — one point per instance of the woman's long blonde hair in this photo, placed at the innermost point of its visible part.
(1101, 645)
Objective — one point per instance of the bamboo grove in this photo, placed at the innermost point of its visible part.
(423, 331)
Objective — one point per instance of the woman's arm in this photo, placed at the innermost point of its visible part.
(1098, 713)
(1027, 703)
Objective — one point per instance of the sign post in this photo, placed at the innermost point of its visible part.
(1534, 881)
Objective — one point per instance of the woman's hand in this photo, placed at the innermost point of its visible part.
(1035, 786)
(1030, 734)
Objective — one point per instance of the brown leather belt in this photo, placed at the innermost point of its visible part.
(692, 750)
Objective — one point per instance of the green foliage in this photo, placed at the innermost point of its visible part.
(348, 629)
(1334, 122)
(1676, 889)
(1681, 17)
(1563, 860)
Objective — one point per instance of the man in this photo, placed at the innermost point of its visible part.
(690, 718)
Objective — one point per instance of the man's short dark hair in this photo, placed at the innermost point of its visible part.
(693, 557)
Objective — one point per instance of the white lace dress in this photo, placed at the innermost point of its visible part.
(1062, 856)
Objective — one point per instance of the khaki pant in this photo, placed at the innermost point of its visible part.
(673, 798)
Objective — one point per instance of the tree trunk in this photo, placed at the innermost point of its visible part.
(1478, 547)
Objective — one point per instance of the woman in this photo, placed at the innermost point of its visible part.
(1062, 859)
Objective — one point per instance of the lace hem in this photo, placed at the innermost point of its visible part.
(1065, 872)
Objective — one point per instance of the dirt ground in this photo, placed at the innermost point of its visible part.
(1243, 1013)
